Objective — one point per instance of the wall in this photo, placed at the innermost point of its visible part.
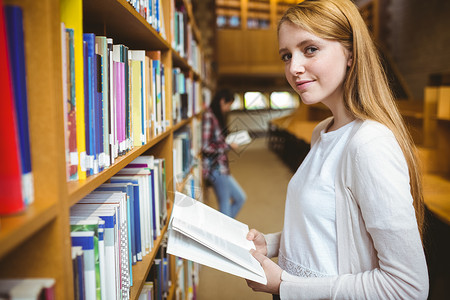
(418, 39)
(256, 122)
(420, 42)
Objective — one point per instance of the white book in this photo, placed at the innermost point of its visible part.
(118, 200)
(204, 235)
(143, 187)
(108, 214)
(83, 221)
(146, 209)
(25, 288)
(240, 137)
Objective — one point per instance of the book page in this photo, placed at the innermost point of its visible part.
(184, 247)
(214, 230)
(240, 137)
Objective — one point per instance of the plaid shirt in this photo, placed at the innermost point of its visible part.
(214, 147)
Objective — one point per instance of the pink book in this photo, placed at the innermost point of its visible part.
(117, 98)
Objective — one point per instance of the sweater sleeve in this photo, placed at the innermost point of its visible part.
(273, 244)
(380, 186)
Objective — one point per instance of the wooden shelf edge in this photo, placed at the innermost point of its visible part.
(18, 228)
(194, 26)
(112, 13)
(79, 189)
(182, 184)
(181, 124)
(142, 268)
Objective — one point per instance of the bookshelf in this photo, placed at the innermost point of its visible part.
(251, 14)
(37, 243)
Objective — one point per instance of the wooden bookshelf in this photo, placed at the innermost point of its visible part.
(36, 243)
(141, 270)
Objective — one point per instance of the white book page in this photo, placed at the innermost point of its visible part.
(213, 229)
(184, 247)
(240, 137)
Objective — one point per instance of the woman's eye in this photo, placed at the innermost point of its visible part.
(311, 50)
(286, 57)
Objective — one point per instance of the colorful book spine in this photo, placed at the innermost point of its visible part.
(102, 48)
(71, 108)
(14, 28)
(72, 16)
(136, 96)
(88, 129)
(11, 200)
(85, 239)
(112, 103)
(65, 90)
(91, 104)
(98, 103)
(148, 99)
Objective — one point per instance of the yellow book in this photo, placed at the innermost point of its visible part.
(136, 98)
(72, 17)
(443, 105)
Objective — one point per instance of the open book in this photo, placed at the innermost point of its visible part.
(240, 137)
(204, 235)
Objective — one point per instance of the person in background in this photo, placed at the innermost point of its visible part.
(216, 170)
(354, 208)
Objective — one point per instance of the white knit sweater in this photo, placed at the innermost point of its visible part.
(380, 254)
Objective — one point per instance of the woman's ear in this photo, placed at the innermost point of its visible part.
(350, 59)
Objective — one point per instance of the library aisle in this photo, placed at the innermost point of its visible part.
(264, 178)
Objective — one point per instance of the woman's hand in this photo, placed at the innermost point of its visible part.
(258, 239)
(273, 275)
(234, 146)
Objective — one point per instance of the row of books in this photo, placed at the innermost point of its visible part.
(116, 226)
(124, 101)
(182, 153)
(186, 150)
(16, 171)
(186, 96)
(152, 12)
(183, 39)
(27, 288)
(157, 284)
(187, 279)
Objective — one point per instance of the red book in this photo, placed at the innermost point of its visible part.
(11, 200)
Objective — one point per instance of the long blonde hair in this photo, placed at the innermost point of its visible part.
(366, 90)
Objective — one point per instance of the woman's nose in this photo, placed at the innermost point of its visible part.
(297, 66)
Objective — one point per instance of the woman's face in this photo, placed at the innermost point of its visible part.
(225, 106)
(314, 67)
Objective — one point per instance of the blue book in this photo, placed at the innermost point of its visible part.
(89, 151)
(156, 130)
(136, 214)
(163, 98)
(90, 101)
(85, 239)
(15, 35)
(155, 218)
(78, 267)
(157, 16)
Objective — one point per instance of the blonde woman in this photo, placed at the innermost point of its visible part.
(354, 208)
